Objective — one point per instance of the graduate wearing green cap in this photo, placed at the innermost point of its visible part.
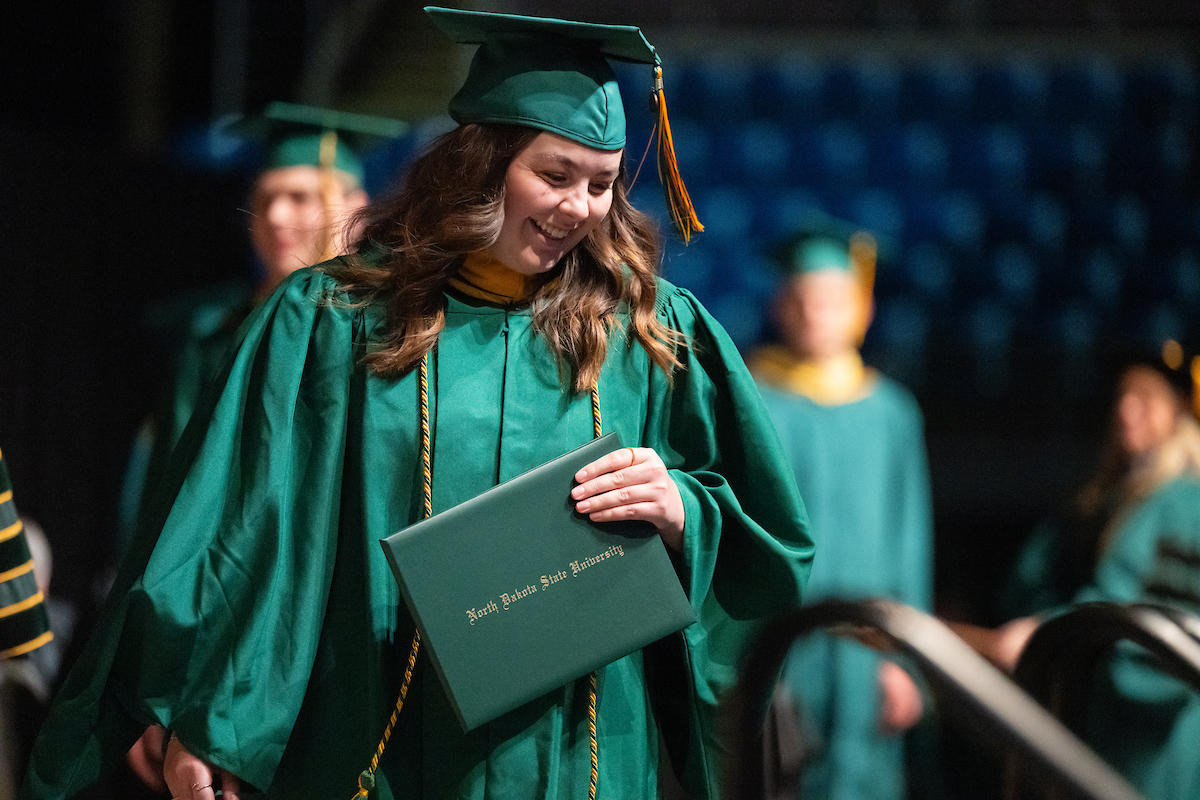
(309, 183)
(502, 309)
(856, 445)
(1131, 534)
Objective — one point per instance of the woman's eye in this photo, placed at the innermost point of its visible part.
(554, 177)
(600, 188)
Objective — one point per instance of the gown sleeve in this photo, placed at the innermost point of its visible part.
(215, 616)
(747, 546)
(1153, 556)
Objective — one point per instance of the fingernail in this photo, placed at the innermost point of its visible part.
(582, 506)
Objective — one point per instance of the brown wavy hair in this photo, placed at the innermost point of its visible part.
(451, 204)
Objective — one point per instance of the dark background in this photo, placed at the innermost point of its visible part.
(110, 203)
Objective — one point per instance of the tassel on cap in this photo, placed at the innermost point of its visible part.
(863, 254)
(328, 157)
(679, 204)
(1196, 386)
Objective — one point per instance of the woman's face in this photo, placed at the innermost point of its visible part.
(555, 193)
(1147, 410)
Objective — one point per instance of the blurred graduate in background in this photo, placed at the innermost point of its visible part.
(310, 183)
(1132, 534)
(856, 443)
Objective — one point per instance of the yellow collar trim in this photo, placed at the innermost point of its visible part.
(484, 278)
(829, 383)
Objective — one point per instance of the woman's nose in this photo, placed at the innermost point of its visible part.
(575, 203)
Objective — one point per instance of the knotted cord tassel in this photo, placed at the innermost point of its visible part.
(679, 204)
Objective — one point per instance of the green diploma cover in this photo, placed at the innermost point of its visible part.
(515, 594)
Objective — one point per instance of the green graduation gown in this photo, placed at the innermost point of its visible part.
(257, 618)
(862, 471)
(202, 333)
(1143, 722)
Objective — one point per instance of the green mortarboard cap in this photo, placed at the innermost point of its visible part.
(544, 73)
(818, 253)
(297, 135)
(820, 242)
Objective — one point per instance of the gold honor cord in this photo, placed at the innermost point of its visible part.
(327, 157)
(366, 779)
(596, 431)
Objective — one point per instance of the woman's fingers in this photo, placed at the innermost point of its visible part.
(190, 778)
(231, 785)
(145, 758)
(631, 484)
(618, 459)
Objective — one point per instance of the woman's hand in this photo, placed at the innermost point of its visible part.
(189, 778)
(631, 483)
(145, 758)
(1002, 646)
(901, 699)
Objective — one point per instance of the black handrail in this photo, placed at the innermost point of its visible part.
(1062, 654)
(976, 690)
(1184, 619)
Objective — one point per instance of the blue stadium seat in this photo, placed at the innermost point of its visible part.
(898, 339)
(879, 211)
(792, 88)
(744, 316)
(940, 89)
(713, 88)
(761, 150)
(988, 329)
(876, 84)
(843, 155)
(1129, 222)
(1047, 224)
(1014, 274)
(1101, 277)
(1156, 324)
(692, 267)
(1013, 90)
(1086, 89)
(1003, 162)
(1183, 269)
(929, 271)
(728, 215)
(780, 212)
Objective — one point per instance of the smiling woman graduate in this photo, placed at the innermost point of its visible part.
(505, 302)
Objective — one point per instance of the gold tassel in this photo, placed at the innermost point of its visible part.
(1196, 386)
(327, 156)
(679, 204)
(863, 253)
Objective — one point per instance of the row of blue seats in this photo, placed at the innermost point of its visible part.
(1008, 272)
(1090, 87)
(999, 156)
(1048, 223)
